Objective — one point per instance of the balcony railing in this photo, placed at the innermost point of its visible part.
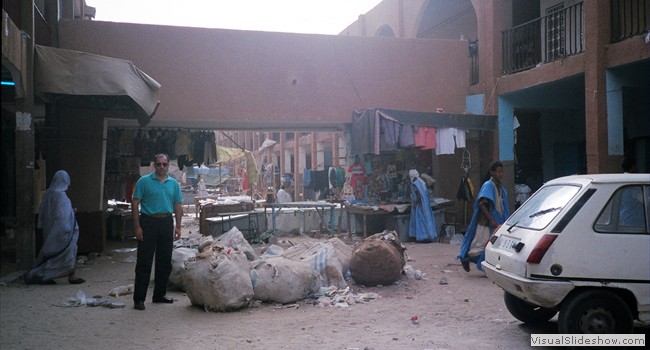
(629, 18)
(42, 31)
(557, 35)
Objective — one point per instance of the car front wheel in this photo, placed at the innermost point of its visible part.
(595, 312)
(525, 311)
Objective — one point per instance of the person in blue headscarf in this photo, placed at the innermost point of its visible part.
(56, 216)
(422, 225)
(490, 211)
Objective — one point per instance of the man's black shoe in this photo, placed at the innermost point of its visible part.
(139, 305)
(163, 300)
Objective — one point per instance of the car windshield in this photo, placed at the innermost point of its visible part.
(540, 209)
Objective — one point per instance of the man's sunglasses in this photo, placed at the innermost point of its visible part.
(162, 165)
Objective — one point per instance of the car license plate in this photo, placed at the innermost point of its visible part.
(507, 242)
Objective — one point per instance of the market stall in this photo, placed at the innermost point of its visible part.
(385, 144)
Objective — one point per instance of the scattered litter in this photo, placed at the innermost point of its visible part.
(456, 239)
(80, 299)
(280, 306)
(121, 290)
(342, 298)
(125, 250)
(98, 302)
(412, 273)
(415, 319)
(117, 305)
(130, 259)
(443, 281)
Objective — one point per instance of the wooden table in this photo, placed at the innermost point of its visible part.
(212, 209)
(364, 212)
(119, 220)
(197, 203)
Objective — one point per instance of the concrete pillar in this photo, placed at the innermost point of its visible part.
(296, 167)
(597, 25)
(25, 238)
(314, 152)
(335, 150)
(283, 158)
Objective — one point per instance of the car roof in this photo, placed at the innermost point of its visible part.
(623, 178)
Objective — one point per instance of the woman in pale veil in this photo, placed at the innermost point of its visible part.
(56, 218)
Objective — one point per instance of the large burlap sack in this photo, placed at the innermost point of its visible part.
(283, 280)
(378, 260)
(205, 242)
(323, 259)
(343, 252)
(235, 239)
(220, 281)
(272, 250)
(180, 256)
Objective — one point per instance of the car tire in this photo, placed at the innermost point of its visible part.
(595, 312)
(525, 311)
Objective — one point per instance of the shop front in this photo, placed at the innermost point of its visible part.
(386, 144)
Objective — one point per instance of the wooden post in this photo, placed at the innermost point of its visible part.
(283, 158)
(314, 152)
(296, 165)
(335, 150)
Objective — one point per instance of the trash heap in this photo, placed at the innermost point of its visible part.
(225, 273)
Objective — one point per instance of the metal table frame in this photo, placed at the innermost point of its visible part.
(253, 222)
(320, 207)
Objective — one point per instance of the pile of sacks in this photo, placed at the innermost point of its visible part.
(225, 274)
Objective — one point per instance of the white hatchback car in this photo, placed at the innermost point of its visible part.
(581, 246)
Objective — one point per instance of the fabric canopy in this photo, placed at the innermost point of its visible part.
(365, 124)
(226, 154)
(74, 73)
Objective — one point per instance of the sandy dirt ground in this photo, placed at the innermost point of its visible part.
(454, 310)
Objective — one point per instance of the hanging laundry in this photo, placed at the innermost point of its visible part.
(425, 137)
(460, 136)
(331, 176)
(465, 189)
(358, 178)
(407, 136)
(515, 126)
(390, 130)
(446, 141)
(340, 177)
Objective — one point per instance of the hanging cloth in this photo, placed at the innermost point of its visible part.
(446, 142)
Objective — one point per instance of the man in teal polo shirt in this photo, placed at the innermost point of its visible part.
(156, 196)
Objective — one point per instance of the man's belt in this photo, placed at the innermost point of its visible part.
(158, 216)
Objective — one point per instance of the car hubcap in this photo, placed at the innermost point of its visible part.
(597, 320)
